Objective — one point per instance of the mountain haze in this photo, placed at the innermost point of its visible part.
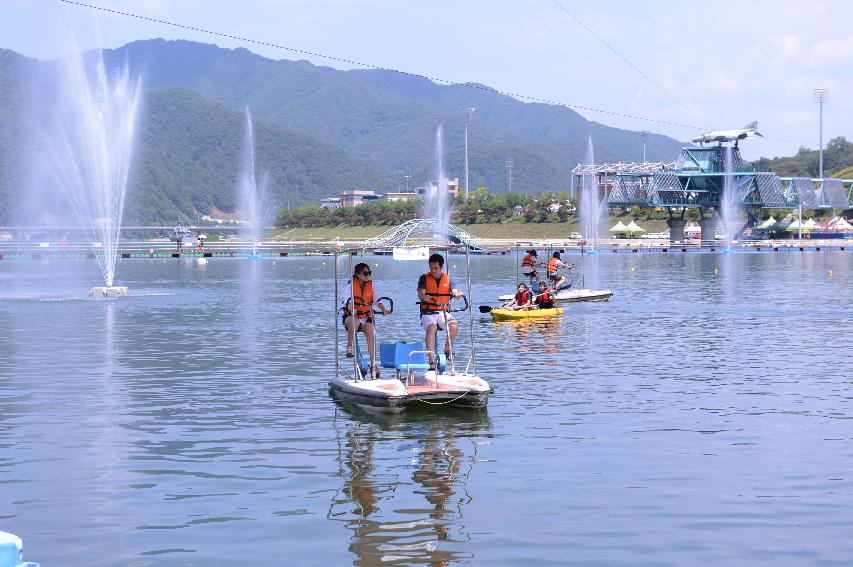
(319, 130)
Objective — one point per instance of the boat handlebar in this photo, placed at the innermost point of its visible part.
(383, 299)
(456, 310)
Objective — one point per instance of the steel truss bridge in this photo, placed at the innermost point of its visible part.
(696, 180)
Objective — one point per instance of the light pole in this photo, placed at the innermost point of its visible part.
(467, 116)
(644, 135)
(821, 96)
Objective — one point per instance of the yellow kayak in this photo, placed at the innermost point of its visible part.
(509, 314)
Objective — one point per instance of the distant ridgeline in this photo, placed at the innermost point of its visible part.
(318, 131)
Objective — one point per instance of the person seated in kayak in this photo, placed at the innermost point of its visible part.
(435, 289)
(545, 297)
(523, 299)
(555, 264)
(359, 297)
(529, 265)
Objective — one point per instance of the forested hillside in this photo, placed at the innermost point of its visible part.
(837, 161)
(319, 131)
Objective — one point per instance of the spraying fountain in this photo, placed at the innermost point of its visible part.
(729, 202)
(592, 205)
(252, 195)
(436, 204)
(89, 147)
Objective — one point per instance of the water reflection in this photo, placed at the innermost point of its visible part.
(406, 483)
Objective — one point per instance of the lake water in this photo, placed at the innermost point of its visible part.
(703, 416)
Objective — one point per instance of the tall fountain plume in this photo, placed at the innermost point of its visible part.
(436, 203)
(592, 207)
(729, 202)
(89, 148)
(251, 192)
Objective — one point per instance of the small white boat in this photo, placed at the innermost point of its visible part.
(414, 381)
(574, 295)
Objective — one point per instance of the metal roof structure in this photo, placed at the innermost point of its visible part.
(697, 179)
(620, 167)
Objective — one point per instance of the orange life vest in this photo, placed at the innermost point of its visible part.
(545, 295)
(363, 301)
(439, 290)
(552, 266)
(522, 297)
(527, 262)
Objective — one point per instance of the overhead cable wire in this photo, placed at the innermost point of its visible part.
(631, 65)
(381, 68)
(646, 77)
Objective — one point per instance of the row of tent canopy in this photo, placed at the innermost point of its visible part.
(836, 223)
(630, 228)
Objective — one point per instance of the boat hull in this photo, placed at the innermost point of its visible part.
(510, 315)
(427, 389)
(574, 295)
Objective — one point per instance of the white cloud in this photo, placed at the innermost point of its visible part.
(776, 50)
(832, 52)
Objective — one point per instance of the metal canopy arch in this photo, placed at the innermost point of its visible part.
(400, 235)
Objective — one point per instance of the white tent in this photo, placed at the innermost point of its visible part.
(618, 228)
(842, 224)
(634, 228)
(766, 224)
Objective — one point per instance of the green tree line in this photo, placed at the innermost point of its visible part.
(482, 207)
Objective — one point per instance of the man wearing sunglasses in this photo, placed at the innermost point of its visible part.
(358, 301)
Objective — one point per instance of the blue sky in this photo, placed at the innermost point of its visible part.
(705, 64)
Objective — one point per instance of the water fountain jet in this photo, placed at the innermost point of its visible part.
(592, 205)
(89, 149)
(252, 194)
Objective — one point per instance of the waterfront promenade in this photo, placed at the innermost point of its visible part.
(283, 248)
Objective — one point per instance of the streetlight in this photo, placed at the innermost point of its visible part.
(467, 115)
(644, 135)
(821, 96)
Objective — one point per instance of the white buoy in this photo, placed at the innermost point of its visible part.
(107, 292)
(201, 261)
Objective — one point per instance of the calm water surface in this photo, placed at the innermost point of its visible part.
(700, 417)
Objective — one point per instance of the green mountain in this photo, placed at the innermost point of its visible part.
(837, 161)
(190, 160)
(390, 119)
(318, 130)
(188, 155)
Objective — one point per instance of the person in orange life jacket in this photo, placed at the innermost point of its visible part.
(435, 290)
(529, 265)
(523, 299)
(545, 297)
(555, 264)
(361, 292)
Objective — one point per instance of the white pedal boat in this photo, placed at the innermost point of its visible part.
(412, 383)
(573, 295)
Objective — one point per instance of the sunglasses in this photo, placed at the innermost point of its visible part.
(367, 273)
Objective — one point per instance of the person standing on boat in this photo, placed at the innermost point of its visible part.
(358, 298)
(554, 264)
(523, 299)
(435, 290)
(529, 265)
